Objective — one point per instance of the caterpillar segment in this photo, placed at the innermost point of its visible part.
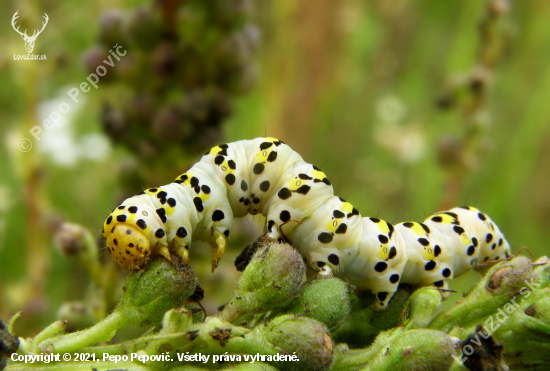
(265, 176)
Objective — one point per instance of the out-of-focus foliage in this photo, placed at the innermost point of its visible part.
(356, 87)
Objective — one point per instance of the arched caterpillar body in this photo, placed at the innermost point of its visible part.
(266, 176)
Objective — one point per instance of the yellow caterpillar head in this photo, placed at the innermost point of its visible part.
(129, 238)
(128, 246)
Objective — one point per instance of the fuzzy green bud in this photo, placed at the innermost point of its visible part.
(364, 323)
(272, 277)
(148, 295)
(422, 307)
(400, 349)
(325, 300)
(161, 287)
(502, 282)
(144, 27)
(542, 268)
(303, 337)
(111, 28)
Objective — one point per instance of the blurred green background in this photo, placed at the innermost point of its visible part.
(409, 107)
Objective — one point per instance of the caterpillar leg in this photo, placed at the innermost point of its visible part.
(165, 252)
(183, 253)
(217, 248)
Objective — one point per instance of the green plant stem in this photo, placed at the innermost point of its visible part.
(102, 331)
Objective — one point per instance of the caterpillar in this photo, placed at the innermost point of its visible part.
(264, 175)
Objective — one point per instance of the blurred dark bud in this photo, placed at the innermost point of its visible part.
(77, 315)
(206, 138)
(146, 148)
(249, 78)
(252, 36)
(185, 62)
(130, 177)
(69, 239)
(499, 7)
(206, 108)
(95, 57)
(449, 152)
(195, 105)
(191, 23)
(232, 55)
(142, 107)
(115, 122)
(164, 60)
(454, 92)
(169, 125)
(128, 69)
(446, 100)
(61, 59)
(479, 80)
(144, 28)
(111, 28)
(230, 14)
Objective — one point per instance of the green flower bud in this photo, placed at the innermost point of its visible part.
(401, 349)
(542, 268)
(325, 300)
(159, 288)
(272, 277)
(303, 337)
(509, 276)
(422, 307)
(363, 324)
(502, 282)
(147, 297)
(540, 309)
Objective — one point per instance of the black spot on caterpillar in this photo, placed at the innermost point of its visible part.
(266, 176)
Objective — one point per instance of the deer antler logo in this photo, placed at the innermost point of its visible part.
(29, 40)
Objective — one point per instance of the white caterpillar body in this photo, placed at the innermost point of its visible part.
(266, 176)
